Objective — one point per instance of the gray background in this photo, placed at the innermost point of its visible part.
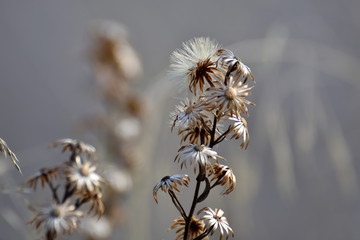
(299, 177)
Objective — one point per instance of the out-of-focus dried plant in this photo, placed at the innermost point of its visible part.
(79, 184)
(116, 66)
(7, 152)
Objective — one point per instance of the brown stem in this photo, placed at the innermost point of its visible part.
(177, 204)
(193, 205)
(53, 189)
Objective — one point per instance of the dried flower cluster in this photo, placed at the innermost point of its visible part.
(217, 107)
(7, 152)
(77, 181)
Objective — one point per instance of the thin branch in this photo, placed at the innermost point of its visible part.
(177, 204)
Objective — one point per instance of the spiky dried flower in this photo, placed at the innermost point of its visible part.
(232, 63)
(222, 175)
(195, 153)
(215, 219)
(57, 219)
(195, 63)
(229, 97)
(240, 129)
(188, 113)
(96, 203)
(82, 176)
(196, 133)
(44, 175)
(7, 151)
(74, 146)
(196, 227)
(171, 183)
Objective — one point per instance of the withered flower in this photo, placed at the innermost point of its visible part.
(112, 51)
(74, 146)
(240, 129)
(222, 175)
(82, 177)
(216, 219)
(57, 219)
(195, 63)
(195, 153)
(196, 227)
(171, 183)
(232, 63)
(44, 175)
(229, 97)
(197, 133)
(188, 113)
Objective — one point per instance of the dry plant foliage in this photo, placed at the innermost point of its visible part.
(7, 152)
(215, 107)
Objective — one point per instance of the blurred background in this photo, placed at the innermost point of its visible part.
(299, 177)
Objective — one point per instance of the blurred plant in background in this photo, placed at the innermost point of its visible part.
(77, 181)
(7, 152)
(116, 65)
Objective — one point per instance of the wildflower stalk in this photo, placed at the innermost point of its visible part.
(220, 78)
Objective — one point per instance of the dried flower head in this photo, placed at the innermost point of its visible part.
(229, 97)
(196, 227)
(81, 176)
(240, 129)
(44, 175)
(195, 63)
(232, 63)
(112, 51)
(216, 219)
(57, 219)
(196, 133)
(7, 151)
(222, 175)
(195, 153)
(75, 146)
(188, 113)
(171, 183)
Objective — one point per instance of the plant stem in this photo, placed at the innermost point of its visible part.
(177, 204)
(192, 209)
